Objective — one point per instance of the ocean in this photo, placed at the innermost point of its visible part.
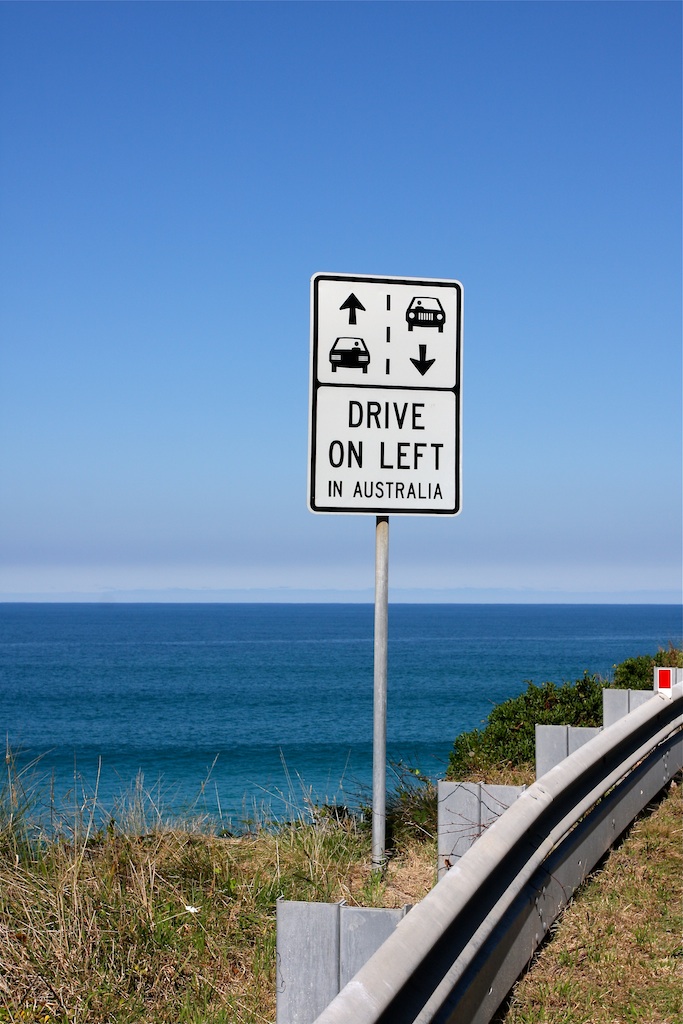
(249, 711)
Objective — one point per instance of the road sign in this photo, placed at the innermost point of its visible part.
(385, 414)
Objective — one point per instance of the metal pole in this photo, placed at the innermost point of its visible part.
(379, 744)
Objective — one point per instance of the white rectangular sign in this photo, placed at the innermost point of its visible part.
(385, 413)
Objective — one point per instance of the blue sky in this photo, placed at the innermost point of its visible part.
(171, 175)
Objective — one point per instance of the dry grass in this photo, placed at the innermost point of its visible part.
(149, 923)
(615, 956)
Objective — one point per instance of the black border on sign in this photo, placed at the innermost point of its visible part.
(379, 510)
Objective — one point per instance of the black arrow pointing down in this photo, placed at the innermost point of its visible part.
(422, 364)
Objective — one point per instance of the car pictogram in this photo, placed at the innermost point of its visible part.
(350, 352)
(424, 311)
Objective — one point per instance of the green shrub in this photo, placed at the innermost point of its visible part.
(504, 750)
(670, 658)
(412, 808)
(635, 673)
(638, 673)
(508, 740)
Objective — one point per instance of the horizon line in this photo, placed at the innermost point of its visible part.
(303, 595)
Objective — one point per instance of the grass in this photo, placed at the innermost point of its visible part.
(147, 922)
(143, 921)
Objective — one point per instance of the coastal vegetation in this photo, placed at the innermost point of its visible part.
(504, 750)
(135, 918)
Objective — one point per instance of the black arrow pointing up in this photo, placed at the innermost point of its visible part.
(353, 305)
(422, 364)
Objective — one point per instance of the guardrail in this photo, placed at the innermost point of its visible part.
(456, 955)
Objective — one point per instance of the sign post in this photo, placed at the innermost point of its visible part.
(379, 728)
(384, 428)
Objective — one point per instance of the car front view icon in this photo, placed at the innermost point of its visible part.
(350, 352)
(425, 312)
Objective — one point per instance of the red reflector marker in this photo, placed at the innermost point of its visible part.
(663, 681)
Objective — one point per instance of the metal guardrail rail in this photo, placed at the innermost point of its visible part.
(456, 955)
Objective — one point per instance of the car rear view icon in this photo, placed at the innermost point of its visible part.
(425, 312)
(350, 352)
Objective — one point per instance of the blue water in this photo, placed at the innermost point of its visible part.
(242, 709)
